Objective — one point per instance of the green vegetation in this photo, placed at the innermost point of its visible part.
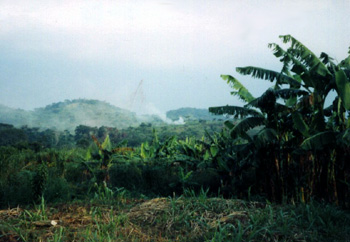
(69, 114)
(301, 150)
(184, 218)
(285, 154)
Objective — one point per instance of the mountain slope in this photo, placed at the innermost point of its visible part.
(69, 114)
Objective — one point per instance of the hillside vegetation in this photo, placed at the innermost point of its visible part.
(68, 115)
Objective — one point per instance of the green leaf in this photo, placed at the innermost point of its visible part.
(241, 92)
(306, 56)
(106, 145)
(299, 124)
(236, 111)
(343, 88)
(144, 153)
(291, 101)
(257, 72)
(346, 62)
(229, 124)
(265, 136)
(248, 123)
(319, 141)
(287, 59)
(214, 150)
(265, 102)
(88, 155)
(289, 93)
(345, 137)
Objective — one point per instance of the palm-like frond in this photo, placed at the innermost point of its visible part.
(319, 140)
(248, 123)
(241, 92)
(266, 135)
(289, 93)
(229, 124)
(269, 75)
(266, 101)
(287, 59)
(345, 64)
(306, 56)
(327, 60)
(343, 88)
(236, 111)
(300, 124)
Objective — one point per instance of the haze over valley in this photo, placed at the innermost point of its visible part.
(69, 114)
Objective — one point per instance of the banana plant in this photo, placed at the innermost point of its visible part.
(158, 149)
(106, 154)
(291, 115)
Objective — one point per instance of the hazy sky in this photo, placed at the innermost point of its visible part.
(56, 50)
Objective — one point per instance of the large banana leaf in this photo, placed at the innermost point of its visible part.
(326, 59)
(346, 62)
(266, 135)
(269, 75)
(299, 124)
(319, 141)
(287, 59)
(107, 145)
(236, 111)
(344, 138)
(265, 102)
(229, 124)
(305, 55)
(343, 88)
(289, 93)
(248, 123)
(241, 92)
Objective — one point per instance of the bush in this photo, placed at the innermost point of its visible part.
(57, 189)
(17, 190)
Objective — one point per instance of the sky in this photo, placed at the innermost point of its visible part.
(153, 56)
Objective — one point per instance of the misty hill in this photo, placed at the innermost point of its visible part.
(191, 114)
(69, 114)
(16, 117)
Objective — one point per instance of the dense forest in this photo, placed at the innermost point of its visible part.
(275, 169)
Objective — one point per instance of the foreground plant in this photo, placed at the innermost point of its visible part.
(185, 218)
(298, 148)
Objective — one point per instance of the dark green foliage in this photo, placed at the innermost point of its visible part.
(57, 189)
(11, 136)
(17, 189)
(39, 181)
(127, 175)
(295, 152)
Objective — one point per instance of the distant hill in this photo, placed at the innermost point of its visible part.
(16, 117)
(71, 113)
(191, 114)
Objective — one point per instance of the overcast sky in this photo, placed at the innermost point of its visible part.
(56, 50)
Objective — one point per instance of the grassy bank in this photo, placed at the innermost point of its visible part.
(186, 218)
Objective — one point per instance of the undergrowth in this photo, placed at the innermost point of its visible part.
(189, 217)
